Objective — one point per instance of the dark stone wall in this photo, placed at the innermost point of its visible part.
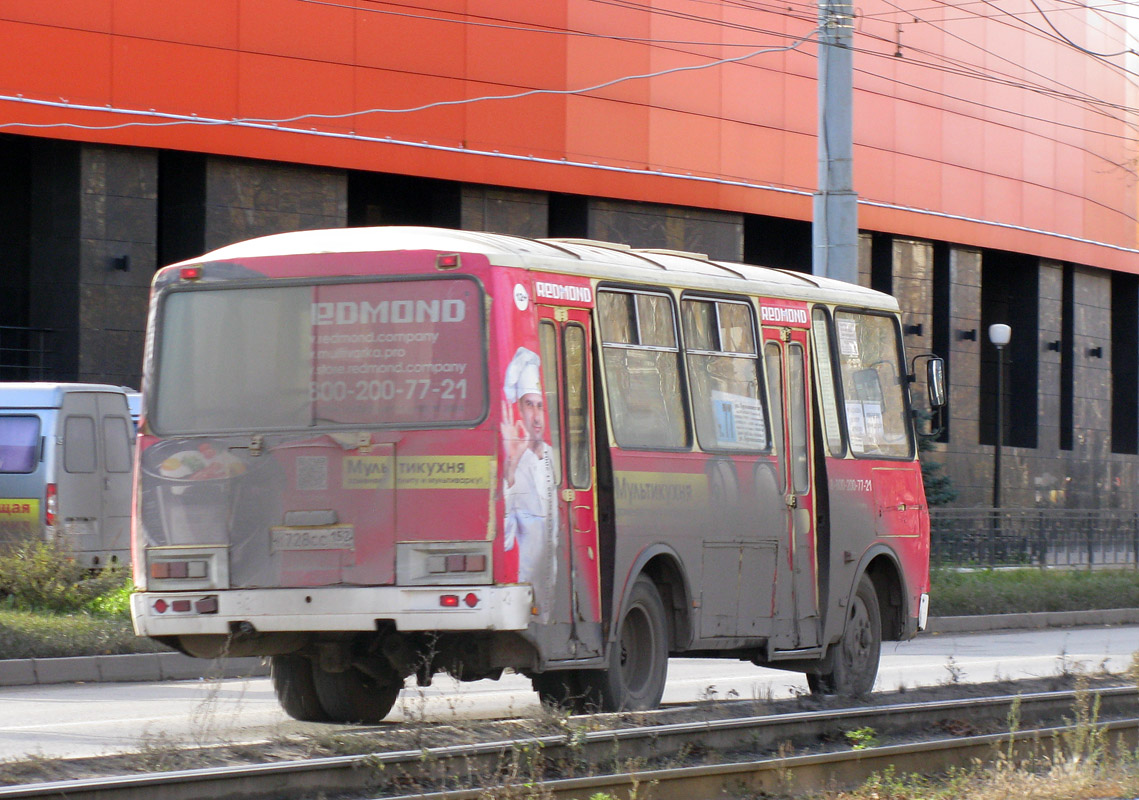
(513, 211)
(1087, 476)
(716, 234)
(247, 199)
(117, 257)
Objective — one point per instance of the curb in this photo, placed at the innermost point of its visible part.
(1034, 621)
(140, 667)
(135, 667)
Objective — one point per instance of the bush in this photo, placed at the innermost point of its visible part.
(41, 576)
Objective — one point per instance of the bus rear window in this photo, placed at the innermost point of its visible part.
(19, 444)
(391, 353)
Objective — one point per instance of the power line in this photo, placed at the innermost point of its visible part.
(1064, 38)
(426, 106)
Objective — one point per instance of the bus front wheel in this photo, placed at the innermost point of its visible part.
(638, 659)
(851, 666)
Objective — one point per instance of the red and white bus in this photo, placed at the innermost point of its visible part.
(372, 453)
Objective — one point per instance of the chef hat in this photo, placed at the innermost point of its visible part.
(522, 375)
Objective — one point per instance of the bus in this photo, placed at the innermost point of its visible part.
(372, 453)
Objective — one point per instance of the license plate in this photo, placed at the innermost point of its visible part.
(342, 537)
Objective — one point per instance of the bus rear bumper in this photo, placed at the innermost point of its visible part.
(356, 608)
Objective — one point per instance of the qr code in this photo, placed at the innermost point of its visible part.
(312, 472)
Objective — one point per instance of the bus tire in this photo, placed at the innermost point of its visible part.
(638, 659)
(296, 692)
(562, 689)
(851, 665)
(352, 696)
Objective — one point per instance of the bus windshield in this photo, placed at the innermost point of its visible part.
(401, 353)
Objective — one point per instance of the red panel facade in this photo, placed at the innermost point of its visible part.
(1011, 137)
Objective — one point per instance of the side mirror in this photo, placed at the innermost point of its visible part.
(935, 381)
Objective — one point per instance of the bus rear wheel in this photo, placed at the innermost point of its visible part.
(353, 696)
(296, 692)
(852, 664)
(638, 659)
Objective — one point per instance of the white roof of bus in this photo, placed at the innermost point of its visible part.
(574, 256)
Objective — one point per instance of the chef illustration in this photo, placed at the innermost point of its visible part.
(529, 486)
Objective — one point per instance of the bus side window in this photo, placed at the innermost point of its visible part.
(642, 369)
(548, 344)
(873, 385)
(774, 363)
(723, 375)
(578, 436)
(828, 402)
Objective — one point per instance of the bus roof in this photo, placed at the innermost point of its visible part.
(595, 259)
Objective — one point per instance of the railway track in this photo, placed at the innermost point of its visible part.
(804, 749)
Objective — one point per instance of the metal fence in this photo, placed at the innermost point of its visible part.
(1044, 537)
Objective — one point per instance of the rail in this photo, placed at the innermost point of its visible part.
(567, 766)
(1036, 537)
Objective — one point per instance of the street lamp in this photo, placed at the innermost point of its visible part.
(999, 335)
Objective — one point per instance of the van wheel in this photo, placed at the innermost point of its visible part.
(296, 692)
(851, 665)
(638, 659)
(352, 696)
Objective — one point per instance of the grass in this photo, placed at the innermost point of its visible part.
(955, 593)
(37, 634)
(52, 607)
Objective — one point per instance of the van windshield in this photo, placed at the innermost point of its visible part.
(402, 353)
(19, 444)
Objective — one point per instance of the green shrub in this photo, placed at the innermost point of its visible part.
(41, 576)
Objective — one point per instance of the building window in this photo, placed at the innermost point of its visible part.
(1067, 339)
(1010, 294)
(1124, 362)
(942, 317)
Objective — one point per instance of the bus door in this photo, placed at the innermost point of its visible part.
(564, 340)
(786, 366)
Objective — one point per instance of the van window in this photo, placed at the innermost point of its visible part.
(79, 444)
(116, 444)
(19, 443)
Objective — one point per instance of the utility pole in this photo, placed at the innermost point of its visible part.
(835, 227)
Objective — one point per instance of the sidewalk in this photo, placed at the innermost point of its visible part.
(175, 666)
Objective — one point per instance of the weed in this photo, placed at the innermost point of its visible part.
(956, 673)
(861, 738)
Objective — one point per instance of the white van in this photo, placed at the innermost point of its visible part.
(66, 452)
